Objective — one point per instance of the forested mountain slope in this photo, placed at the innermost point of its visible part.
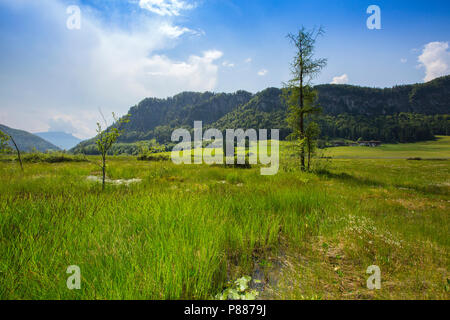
(27, 141)
(402, 113)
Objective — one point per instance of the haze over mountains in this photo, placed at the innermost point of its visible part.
(62, 140)
(42, 141)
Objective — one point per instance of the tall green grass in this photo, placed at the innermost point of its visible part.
(439, 149)
(185, 230)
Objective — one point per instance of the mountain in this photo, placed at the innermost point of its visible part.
(264, 110)
(27, 141)
(428, 98)
(182, 110)
(62, 140)
(157, 117)
(402, 113)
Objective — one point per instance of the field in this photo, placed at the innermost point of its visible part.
(439, 149)
(184, 231)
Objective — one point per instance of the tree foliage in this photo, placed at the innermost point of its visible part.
(149, 147)
(298, 93)
(106, 138)
(4, 146)
(311, 135)
(4, 138)
(349, 112)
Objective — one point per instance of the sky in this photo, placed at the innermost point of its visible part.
(61, 61)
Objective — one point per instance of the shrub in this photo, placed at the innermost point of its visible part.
(52, 157)
(153, 157)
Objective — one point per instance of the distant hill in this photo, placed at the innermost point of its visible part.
(428, 98)
(402, 113)
(62, 140)
(27, 141)
(183, 109)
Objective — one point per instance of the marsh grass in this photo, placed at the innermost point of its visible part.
(185, 231)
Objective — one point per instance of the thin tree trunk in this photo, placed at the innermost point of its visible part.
(302, 129)
(309, 155)
(103, 171)
(302, 136)
(301, 104)
(18, 152)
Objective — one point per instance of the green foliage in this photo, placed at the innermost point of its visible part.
(148, 147)
(153, 157)
(435, 149)
(106, 138)
(291, 96)
(52, 157)
(311, 134)
(234, 178)
(298, 94)
(348, 112)
(432, 97)
(26, 141)
(402, 127)
(235, 164)
(265, 110)
(425, 98)
(180, 233)
(238, 290)
(4, 146)
(304, 66)
(5, 137)
(116, 149)
(151, 151)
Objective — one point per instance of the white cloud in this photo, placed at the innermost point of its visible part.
(175, 31)
(61, 124)
(77, 72)
(228, 64)
(403, 60)
(213, 55)
(72, 124)
(262, 72)
(340, 79)
(198, 73)
(166, 7)
(248, 60)
(435, 58)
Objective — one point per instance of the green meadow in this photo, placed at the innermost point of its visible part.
(439, 149)
(186, 231)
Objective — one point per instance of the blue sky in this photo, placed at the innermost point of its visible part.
(54, 78)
